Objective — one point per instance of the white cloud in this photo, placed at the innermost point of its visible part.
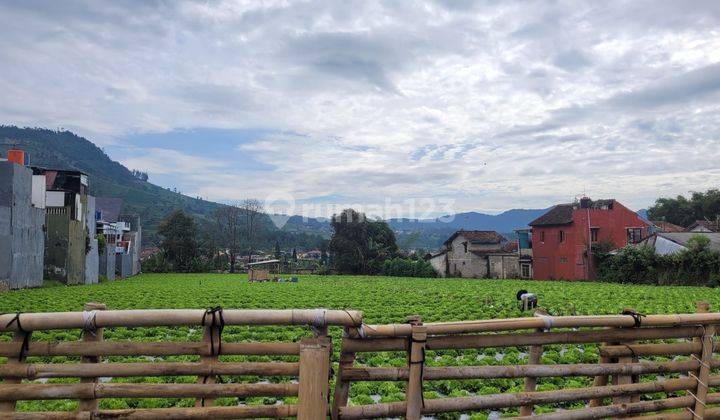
(499, 105)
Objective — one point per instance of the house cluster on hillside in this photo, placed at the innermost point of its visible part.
(559, 245)
(49, 227)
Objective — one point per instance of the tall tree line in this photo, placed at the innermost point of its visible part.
(684, 211)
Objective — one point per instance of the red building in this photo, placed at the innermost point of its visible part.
(562, 238)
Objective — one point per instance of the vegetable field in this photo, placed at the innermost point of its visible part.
(382, 299)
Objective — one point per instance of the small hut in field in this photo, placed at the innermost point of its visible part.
(261, 270)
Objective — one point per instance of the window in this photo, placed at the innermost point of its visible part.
(594, 234)
(563, 260)
(525, 270)
(561, 236)
(465, 245)
(634, 235)
(542, 236)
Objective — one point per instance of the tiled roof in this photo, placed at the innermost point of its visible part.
(667, 226)
(478, 236)
(711, 226)
(558, 215)
(562, 213)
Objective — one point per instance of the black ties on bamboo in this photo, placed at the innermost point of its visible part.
(637, 317)
(216, 321)
(25, 346)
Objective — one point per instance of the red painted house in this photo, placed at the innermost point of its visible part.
(562, 238)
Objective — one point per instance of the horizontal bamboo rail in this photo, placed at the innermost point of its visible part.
(451, 342)
(462, 327)
(521, 371)
(497, 401)
(661, 349)
(242, 412)
(134, 348)
(619, 360)
(118, 370)
(310, 387)
(15, 392)
(626, 409)
(179, 317)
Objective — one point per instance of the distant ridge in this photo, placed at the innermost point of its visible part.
(108, 178)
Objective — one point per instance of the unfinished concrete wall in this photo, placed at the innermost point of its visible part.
(439, 263)
(123, 265)
(57, 220)
(21, 230)
(92, 258)
(504, 266)
(107, 262)
(135, 238)
(77, 252)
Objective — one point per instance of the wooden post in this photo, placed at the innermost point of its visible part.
(342, 385)
(534, 357)
(601, 380)
(91, 334)
(313, 392)
(703, 374)
(211, 336)
(416, 362)
(19, 338)
(624, 379)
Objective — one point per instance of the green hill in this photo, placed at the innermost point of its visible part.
(66, 150)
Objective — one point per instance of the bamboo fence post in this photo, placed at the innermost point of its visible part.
(313, 392)
(342, 385)
(703, 373)
(601, 380)
(91, 334)
(20, 338)
(625, 379)
(416, 363)
(534, 357)
(211, 336)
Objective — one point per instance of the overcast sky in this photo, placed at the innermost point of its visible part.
(487, 105)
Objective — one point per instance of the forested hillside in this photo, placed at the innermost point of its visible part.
(65, 150)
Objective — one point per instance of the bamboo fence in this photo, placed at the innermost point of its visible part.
(311, 369)
(618, 384)
(619, 380)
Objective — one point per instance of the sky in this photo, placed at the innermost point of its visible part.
(422, 108)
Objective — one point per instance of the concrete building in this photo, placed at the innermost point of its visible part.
(476, 254)
(525, 254)
(22, 219)
(69, 241)
(132, 241)
(564, 237)
(123, 239)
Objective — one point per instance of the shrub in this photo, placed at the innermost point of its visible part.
(406, 267)
(698, 265)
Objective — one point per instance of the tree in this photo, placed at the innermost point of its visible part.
(252, 212)
(294, 255)
(278, 254)
(359, 245)
(682, 211)
(179, 242)
(229, 224)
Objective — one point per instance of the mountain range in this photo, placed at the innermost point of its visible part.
(108, 178)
